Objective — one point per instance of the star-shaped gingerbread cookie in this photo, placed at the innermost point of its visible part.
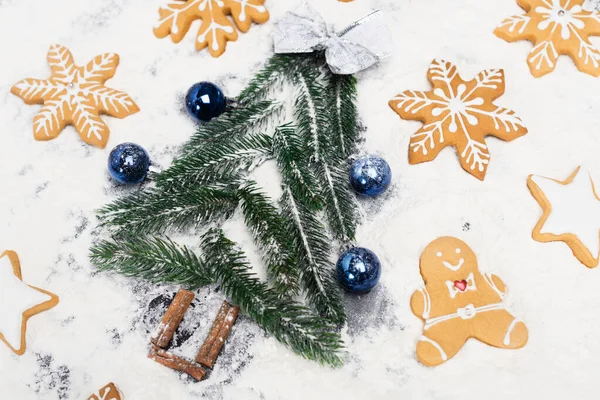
(18, 302)
(75, 95)
(555, 27)
(571, 214)
(459, 113)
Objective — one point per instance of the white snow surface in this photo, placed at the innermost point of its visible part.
(100, 330)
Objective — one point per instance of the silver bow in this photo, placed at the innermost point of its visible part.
(355, 48)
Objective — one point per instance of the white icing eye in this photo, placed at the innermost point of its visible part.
(457, 251)
(439, 254)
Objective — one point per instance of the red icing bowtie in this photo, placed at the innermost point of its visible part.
(461, 285)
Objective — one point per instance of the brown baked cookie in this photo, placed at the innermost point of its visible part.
(216, 29)
(555, 27)
(75, 95)
(108, 392)
(18, 302)
(458, 302)
(458, 113)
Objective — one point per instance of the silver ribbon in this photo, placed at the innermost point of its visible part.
(357, 47)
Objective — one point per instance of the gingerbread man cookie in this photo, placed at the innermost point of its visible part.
(75, 95)
(18, 302)
(571, 214)
(458, 302)
(555, 27)
(459, 113)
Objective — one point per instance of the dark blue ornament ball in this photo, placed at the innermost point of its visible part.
(370, 176)
(205, 101)
(358, 270)
(128, 163)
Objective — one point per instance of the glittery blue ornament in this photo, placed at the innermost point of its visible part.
(128, 163)
(370, 176)
(358, 270)
(205, 101)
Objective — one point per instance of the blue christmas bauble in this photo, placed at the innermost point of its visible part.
(358, 270)
(205, 101)
(370, 176)
(128, 163)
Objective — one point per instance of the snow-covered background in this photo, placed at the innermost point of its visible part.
(100, 330)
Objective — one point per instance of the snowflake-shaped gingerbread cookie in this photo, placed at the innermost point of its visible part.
(459, 113)
(75, 95)
(555, 27)
(571, 214)
(216, 29)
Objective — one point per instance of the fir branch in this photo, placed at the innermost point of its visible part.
(340, 207)
(341, 101)
(163, 261)
(291, 160)
(313, 116)
(270, 77)
(313, 246)
(217, 161)
(240, 121)
(268, 229)
(154, 259)
(155, 210)
(289, 322)
(310, 110)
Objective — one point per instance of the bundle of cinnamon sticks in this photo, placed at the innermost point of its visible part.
(207, 356)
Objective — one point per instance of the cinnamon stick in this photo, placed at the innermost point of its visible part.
(172, 318)
(218, 334)
(176, 363)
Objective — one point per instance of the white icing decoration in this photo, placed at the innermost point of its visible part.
(568, 21)
(457, 251)
(453, 290)
(460, 110)
(426, 302)
(15, 298)
(556, 15)
(467, 312)
(509, 331)
(439, 254)
(436, 345)
(454, 267)
(574, 209)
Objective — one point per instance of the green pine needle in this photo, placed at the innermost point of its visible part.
(341, 100)
(154, 259)
(217, 161)
(290, 323)
(291, 160)
(155, 210)
(313, 246)
(240, 121)
(269, 231)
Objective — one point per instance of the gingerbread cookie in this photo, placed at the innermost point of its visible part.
(458, 302)
(459, 113)
(216, 29)
(18, 302)
(571, 214)
(75, 95)
(555, 27)
(108, 392)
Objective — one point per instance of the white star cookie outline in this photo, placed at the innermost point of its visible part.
(18, 302)
(571, 214)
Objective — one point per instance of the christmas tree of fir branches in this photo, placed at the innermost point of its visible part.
(295, 233)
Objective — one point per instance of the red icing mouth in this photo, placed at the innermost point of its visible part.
(461, 285)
